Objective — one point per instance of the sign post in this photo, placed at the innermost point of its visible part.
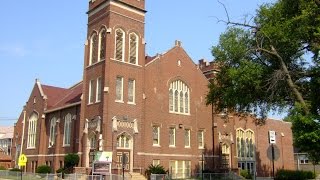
(22, 162)
(124, 162)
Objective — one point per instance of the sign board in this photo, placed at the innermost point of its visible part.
(103, 168)
(103, 156)
(22, 160)
(272, 137)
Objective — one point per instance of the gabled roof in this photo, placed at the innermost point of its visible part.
(53, 94)
(57, 97)
(71, 96)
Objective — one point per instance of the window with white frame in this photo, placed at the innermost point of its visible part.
(119, 89)
(93, 49)
(131, 91)
(133, 48)
(98, 89)
(172, 136)
(123, 141)
(67, 130)
(91, 91)
(119, 44)
(32, 130)
(52, 131)
(245, 143)
(180, 169)
(179, 97)
(156, 135)
(156, 162)
(102, 45)
(187, 138)
(200, 139)
(303, 159)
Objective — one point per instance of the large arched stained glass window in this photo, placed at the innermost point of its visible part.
(67, 130)
(245, 143)
(179, 97)
(32, 130)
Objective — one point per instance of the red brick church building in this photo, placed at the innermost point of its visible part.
(152, 109)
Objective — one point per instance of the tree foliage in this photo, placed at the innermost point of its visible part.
(71, 160)
(272, 64)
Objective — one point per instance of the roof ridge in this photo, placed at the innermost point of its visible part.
(75, 85)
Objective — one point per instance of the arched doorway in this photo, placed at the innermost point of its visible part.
(124, 148)
(225, 156)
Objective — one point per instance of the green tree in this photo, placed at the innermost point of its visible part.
(272, 64)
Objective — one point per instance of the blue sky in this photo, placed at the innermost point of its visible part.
(44, 39)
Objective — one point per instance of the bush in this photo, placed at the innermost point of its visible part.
(157, 169)
(2, 168)
(71, 160)
(291, 174)
(60, 172)
(246, 174)
(15, 169)
(44, 169)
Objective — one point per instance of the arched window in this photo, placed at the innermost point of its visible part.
(170, 100)
(119, 45)
(32, 130)
(93, 49)
(133, 48)
(179, 97)
(123, 141)
(67, 130)
(52, 131)
(102, 45)
(93, 141)
(250, 144)
(245, 143)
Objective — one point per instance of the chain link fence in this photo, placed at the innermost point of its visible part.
(204, 176)
(15, 175)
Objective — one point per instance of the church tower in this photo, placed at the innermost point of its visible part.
(113, 81)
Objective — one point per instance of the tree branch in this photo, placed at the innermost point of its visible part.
(228, 22)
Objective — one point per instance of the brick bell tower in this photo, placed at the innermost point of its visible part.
(113, 80)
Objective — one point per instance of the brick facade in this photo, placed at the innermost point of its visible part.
(125, 127)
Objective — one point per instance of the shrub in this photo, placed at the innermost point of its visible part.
(246, 174)
(15, 169)
(291, 174)
(43, 169)
(71, 160)
(60, 172)
(157, 169)
(2, 168)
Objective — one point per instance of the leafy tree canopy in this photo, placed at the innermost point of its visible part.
(272, 64)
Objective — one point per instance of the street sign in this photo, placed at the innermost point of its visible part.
(272, 137)
(22, 160)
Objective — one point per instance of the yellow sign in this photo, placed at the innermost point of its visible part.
(22, 160)
(22, 164)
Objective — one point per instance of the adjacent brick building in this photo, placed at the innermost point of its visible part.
(152, 109)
